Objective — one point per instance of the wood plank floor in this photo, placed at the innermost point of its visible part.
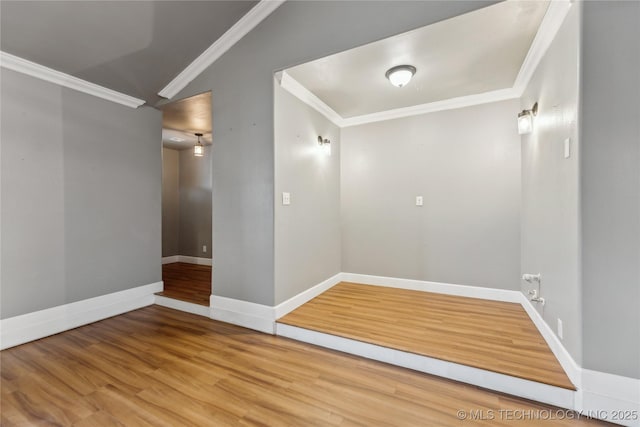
(491, 335)
(187, 282)
(160, 367)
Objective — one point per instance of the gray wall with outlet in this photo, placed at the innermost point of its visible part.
(550, 187)
(81, 196)
(186, 203)
(307, 231)
(465, 164)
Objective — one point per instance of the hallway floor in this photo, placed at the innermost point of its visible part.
(187, 282)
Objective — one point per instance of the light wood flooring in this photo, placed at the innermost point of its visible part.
(491, 335)
(160, 367)
(187, 282)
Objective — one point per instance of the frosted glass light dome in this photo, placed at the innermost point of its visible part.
(401, 75)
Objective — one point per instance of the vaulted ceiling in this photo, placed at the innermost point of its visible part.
(133, 47)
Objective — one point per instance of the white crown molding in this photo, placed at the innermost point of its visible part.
(551, 23)
(15, 63)
(245, 24)
(432, 107)
(295, 88)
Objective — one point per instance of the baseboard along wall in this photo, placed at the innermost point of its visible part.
(186, 259)
(39, 324)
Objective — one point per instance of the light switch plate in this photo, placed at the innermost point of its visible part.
(286, 199)
(419, 201)
(567, 148)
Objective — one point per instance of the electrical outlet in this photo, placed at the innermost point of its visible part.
(204, 248)
(419, 201)
(286, 199)
(567, 148)
(560, 331)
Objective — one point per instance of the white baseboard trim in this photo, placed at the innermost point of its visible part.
(436, 287)
(610, 397)
(242, 313)
(189, 307)
(571, 368)
(467, 374)
(296, 301)
(39, 324)
(186, 259)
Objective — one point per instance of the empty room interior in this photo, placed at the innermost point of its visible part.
(420, 213)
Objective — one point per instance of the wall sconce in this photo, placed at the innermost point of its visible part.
(325, 145)
(525, 119)
(198, 149)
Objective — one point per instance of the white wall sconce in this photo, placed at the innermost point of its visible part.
(400, 75)
(525, 119)
(325, 145)
(198, 149)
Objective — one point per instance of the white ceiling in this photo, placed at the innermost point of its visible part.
(478, 52)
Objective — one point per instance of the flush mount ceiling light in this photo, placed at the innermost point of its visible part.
(198, 149)
(525, 119)
(176, 139)
(400, 75)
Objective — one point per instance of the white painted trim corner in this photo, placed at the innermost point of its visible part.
(187, 307)
(549, 27)
(296, 89)
(303, 297)
(241, 28)
(186, 259)
(242, 313)
(39, 324)
(21, 65)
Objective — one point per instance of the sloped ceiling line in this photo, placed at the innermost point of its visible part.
(241, 28)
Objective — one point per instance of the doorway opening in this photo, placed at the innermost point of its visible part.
(187, 202)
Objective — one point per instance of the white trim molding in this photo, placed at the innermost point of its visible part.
(263, 317)
(487, 379)
(186, 259)
(610, 397)
(242, 313)
(245, 24)
(296, 89)
(571, 368)
(551, 23)
(20, 65)
(494, 294)
(39, 324)
(188, 307)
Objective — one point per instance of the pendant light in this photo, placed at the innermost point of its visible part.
(198, 149)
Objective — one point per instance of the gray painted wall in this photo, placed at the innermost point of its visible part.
(81, 197)
(170, 202)
(610, 178)
(307, 232)
(241, 82)
(195, 203)
(550, 188)
(466, 165)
